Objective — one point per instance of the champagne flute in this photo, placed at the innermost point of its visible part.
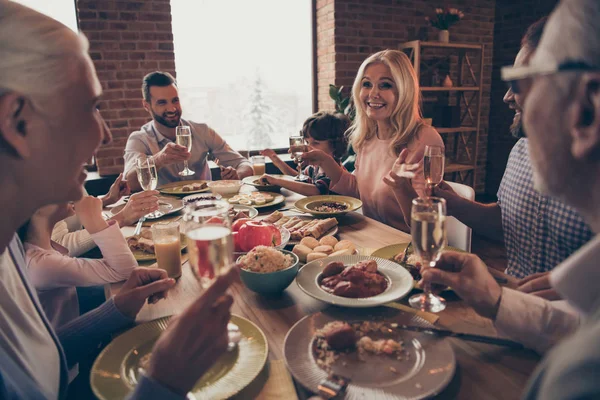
(207, 225)
(428, 231)
(433, 165)
(297, 148)
(183, 136)
(148, 178)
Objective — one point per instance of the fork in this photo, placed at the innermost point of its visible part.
(332, 386)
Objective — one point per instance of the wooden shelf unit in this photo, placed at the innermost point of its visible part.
(464, 140)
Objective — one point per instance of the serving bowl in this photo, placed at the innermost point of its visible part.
(225, 187)
(270, 283)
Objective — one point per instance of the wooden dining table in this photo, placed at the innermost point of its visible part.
(483, 371)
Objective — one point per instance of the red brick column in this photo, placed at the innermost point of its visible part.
(127, 40)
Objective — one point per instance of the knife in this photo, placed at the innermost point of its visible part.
(464, 336)
(138, 227)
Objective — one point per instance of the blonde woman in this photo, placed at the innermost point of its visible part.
(388, 120)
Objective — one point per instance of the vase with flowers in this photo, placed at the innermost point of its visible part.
(443, 20)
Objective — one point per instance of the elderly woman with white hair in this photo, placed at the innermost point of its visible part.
(49, 127)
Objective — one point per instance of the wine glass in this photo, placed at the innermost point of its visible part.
(428, 230)
(183, 136)
(297, 148)
(207, 225)
(148, 178)
(433, 165)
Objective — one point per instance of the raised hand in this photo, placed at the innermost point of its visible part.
(171, 154)
(89, 212)
(468, 276)
(195, 339)
(117, 190)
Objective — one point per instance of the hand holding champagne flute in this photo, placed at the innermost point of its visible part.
(428, 230)
(148, 178)
(184, 138)
(297, 148)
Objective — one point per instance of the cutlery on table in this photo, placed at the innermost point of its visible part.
(332, 386)
(464, 336)
(138, 227)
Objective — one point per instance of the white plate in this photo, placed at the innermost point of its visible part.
(166, 204)
(400, 282)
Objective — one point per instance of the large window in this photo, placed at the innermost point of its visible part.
(245, 67)
(61, 10)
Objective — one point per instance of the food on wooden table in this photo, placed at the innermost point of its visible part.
(194, 186)
(237, 215)
(142, 242)
(310, 241)
(265, 259)
(248, 234)
(333, 268)
(328, 241)
(358, 339)
(306, 253)
(355, 281)
(258, 198)
(330, 206)
(201, 197)
(301, 227)
(412, 263)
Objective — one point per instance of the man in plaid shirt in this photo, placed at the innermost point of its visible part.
(539, 232)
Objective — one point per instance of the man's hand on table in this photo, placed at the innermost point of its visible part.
(468, 276)
(229, 173)
(539, 285)
(195, 339)
(139, 204)
(143, 283)
(171, 154)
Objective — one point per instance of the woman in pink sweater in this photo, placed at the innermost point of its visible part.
(55, 275)
(388, 120)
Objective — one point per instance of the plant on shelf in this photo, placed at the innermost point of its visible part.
(344, 105)
(443, 20)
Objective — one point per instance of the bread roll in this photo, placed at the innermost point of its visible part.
(344, 252)
(310, 242)
(315, 256)
(301, 251)
(324, 249)
(328, 241)
(345, 245)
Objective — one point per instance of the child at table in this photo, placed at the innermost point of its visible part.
(54, 274)
(323, 131)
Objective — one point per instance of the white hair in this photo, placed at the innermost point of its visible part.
(38, 55)
(571, 34)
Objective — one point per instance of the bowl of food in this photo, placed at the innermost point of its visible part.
(328, 205)
(225, 187)
(268, 271)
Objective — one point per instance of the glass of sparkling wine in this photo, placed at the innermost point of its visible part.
(297, 148)
(148, 178)
(207, 226)
(428, 231)
(433, 165)
(184, 138)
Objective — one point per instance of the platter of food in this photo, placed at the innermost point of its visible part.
(201, 197)
(328, 205)
(263, 184)
(119, 366)
(310, 249)
(371, 350)
(303, 226)
(142, 245)
(404, 255)
(354, 281)
(183, 188)
(257, 199)
(166, 204)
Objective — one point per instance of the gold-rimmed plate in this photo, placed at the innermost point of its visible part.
(176, 188)
(254, 180)
(311, 204)
(116, 371)
(426, 367)
(277, 199)
(166, 204)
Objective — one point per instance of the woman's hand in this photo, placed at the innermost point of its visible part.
(139, 204)
(401, 175)
(271, 180)
(117, 190)
(143, 283)
(89, 212)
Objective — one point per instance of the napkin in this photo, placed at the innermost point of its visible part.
(279, 385)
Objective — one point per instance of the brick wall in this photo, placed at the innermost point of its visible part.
(511, 22)
(127, 40)
(362, 28)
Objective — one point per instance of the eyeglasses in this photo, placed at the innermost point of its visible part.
(519, 78)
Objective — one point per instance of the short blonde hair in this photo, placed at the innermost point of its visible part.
(406, 117)
(38, 55)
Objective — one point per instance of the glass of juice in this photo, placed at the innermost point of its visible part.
(258, 163)
(167, 246)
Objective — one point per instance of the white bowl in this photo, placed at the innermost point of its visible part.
(225, 187)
